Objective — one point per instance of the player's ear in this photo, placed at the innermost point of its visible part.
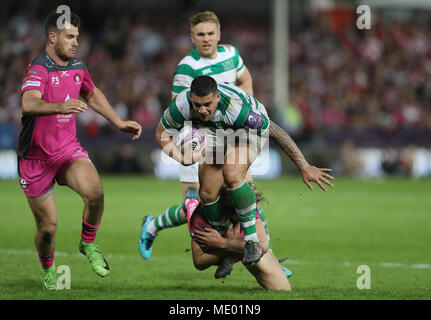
(52, 37)
(191, 37)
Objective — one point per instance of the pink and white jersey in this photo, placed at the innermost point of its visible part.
(47, 136)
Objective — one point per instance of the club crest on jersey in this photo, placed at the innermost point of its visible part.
(77, 78)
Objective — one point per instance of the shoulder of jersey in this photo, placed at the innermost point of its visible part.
(227, 47)
(46, 61)
(182, 96)
(230, 90)
(77, 63)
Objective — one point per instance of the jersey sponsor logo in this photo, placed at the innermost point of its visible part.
(254, 120)
(206, 71)
(32, 77)
(31, 83)
(64, 74)
(62, 118)
(228, 64)
(32, 71)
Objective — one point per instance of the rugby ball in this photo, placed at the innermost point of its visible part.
(191, 137)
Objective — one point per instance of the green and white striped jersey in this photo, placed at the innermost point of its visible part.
(227, 67)
(236, 109)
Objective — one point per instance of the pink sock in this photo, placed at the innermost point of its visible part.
(89, 231)
(46, 261)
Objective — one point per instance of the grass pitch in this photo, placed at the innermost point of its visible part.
(383, 224)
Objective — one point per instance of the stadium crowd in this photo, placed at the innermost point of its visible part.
(359, 79)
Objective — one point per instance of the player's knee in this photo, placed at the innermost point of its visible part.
(232, 178)
(95, 196)
(47, 231)
(207, 195)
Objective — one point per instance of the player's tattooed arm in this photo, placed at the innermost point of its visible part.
(309, 173)
(287, 144)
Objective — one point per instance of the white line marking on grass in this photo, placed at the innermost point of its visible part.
(353, 264)
(287, 262)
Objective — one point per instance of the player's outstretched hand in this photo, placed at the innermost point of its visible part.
(132, 127)
(317, 175)
(73, 106)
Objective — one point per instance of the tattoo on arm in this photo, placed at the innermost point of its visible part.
(287, 144)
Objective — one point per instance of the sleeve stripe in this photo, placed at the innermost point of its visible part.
(175, 113)
(178, 89)
(184, 69)
(164, 123)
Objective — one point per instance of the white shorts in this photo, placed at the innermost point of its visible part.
(189, 173)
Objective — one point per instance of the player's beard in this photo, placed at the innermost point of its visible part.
(62, 54)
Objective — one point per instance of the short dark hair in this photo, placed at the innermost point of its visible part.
(51, 21)
(203, 85)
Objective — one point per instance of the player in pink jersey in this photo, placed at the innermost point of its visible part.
(48, 150)
(210, 248)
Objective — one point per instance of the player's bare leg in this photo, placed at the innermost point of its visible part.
(268, 271)
(45, 215)
(82, 177)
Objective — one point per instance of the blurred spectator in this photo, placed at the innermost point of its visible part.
(374, 81)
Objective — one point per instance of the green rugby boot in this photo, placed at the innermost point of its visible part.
(49, 278)
(97, 261)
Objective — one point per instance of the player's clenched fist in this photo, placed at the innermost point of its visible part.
(132, 127)
(73, 106)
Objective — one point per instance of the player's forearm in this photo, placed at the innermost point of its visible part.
(167, 144)
(36, 106)
(98, 102)
(287, 144)
(234, 245)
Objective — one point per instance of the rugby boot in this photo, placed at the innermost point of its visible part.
(253, 252)
(145, 243)
(225, 267)
(98, 262)
(49, 278)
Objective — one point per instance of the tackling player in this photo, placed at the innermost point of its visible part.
(48, 150)
(209, 248)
